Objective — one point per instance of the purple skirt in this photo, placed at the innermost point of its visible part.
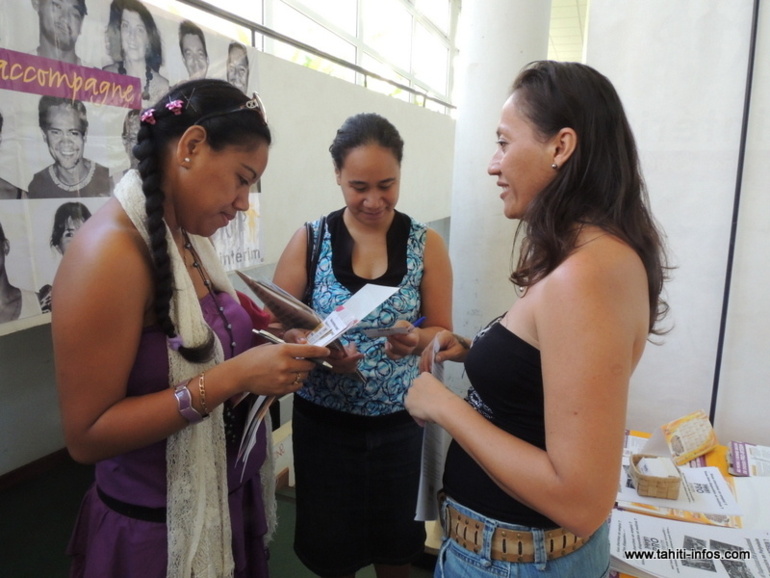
(106, 543)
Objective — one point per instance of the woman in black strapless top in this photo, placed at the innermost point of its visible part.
(537, 443)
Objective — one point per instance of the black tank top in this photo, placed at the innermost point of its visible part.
(506, 388)
(397, 240)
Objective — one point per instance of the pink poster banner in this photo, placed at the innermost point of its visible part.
(37, 75)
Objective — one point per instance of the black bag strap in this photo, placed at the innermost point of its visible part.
(313, 254)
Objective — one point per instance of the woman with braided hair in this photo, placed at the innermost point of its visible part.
(154, 352)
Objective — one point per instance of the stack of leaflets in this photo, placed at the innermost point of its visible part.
(649, 547)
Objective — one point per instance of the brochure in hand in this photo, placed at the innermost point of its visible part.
(435, 443)
(292, 313)
(257, 412)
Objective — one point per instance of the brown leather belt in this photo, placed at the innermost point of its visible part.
(509, 545)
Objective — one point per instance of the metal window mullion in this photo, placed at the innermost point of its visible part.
(255, 34)
(454, 18)
(446, 39)
(360, 25)
(268, 16)
(412, 77)
(430, 25)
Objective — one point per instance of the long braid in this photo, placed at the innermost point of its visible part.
(156, 227)
(149, 169)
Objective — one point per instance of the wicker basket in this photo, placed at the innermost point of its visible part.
(652, 486)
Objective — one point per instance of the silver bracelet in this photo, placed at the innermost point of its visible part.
(184, 403)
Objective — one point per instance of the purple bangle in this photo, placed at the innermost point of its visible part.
(184, 403)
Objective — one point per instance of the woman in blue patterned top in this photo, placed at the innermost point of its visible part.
(356, 449)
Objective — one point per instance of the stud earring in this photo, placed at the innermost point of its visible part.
(554, 166)
(187, 159)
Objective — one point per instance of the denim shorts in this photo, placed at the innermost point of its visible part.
(454, 561)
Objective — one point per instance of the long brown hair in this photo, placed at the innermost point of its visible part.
(601, 184)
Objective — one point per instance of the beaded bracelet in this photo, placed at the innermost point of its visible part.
(184, 403)
(202, 391)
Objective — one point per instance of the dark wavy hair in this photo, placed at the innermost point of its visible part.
(364, 129)
(601, 184)
(216, 106)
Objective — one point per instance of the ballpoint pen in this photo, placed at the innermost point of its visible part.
(274, 339)
(393, 330)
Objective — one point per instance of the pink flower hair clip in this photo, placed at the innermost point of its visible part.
(148, 116)
(175, 106)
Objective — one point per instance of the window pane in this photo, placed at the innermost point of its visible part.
(387, 29)
(430, 57)
(340, 13)
(437, 11)
(251, 10)
(203, 18)
(309, 60)
(291, 23)
(373, 65)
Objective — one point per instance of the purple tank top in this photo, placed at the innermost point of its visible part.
(139, 477)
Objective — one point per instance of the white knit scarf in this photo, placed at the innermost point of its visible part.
(198, 518)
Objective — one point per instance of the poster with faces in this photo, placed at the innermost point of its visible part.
(74, 77)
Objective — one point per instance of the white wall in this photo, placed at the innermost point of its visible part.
(680, 68)
(29, 413)
(305, 109)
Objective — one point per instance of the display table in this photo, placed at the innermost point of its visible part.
(693, 544)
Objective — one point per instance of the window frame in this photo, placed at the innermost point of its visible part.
(264, 38)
